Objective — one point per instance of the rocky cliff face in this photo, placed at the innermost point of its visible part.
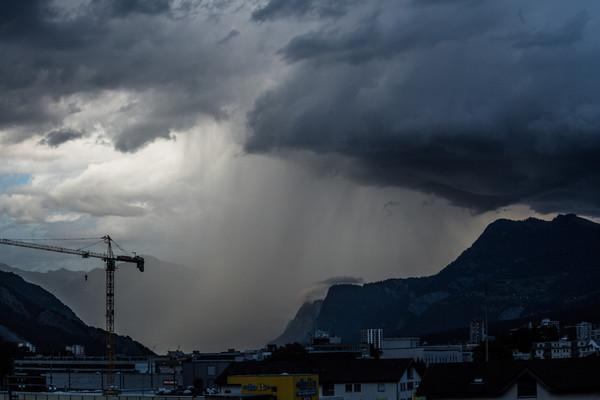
(529, 267)
(303, 323)
(30, 313)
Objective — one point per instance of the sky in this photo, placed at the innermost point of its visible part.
(281, 146)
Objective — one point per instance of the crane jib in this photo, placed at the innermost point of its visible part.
(139, 261)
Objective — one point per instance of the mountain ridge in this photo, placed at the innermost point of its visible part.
(33, 314)
(154, 294)
(529, 267)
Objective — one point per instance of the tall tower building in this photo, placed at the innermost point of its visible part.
(476, 331)
(371, 336)
(584, 331)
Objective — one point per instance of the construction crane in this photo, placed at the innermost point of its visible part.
(110, 260)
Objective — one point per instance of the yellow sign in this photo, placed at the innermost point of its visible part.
(283, 387)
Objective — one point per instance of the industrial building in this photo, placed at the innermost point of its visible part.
(143, 374)
(430, 354)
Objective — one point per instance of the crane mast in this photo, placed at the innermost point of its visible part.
(110, 260)
(110, 318)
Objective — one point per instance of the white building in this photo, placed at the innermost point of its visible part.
(583, 331)
(77, 350)
(553, 350)
(26, 345)
(546, 322)
(368, 379)
(476, 331)
(409, 347)
(565, 349)
(585, 348)
(371, 337)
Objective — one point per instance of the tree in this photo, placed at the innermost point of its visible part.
(8, 352)
(497, 351)
(374, 352)
(523, 338)
(290, 352)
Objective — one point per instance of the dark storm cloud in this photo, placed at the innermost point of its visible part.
(40, 25)
(59, 136)
(275, 9)
(570, 32)
(123, 8)
(463, 100)
(21, 17)
(50, 53)
(368, 39)
(141, 134)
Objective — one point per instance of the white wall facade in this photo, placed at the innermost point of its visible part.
(368, 391)
(401, 390)
(372, 336)
(556, 349)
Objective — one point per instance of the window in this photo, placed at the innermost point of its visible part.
(211, 370)
(328, 389)
(402, 386)
(409, 373)
(273, 389)
(526, 386)
(409, 386)
(357, 387)
(381, 387)
(348, 388)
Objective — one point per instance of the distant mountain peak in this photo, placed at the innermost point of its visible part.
(529, 266)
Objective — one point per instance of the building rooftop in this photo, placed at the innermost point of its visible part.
(574, 375)
(329, 370)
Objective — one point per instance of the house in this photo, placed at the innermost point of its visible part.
(554, 349)
(339, 379)
(368, 379)
(565, 349)
(577, 378)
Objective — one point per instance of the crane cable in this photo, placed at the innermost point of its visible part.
(100, 240)
(64, 239)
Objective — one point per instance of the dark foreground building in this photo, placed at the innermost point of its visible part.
(575, 378)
